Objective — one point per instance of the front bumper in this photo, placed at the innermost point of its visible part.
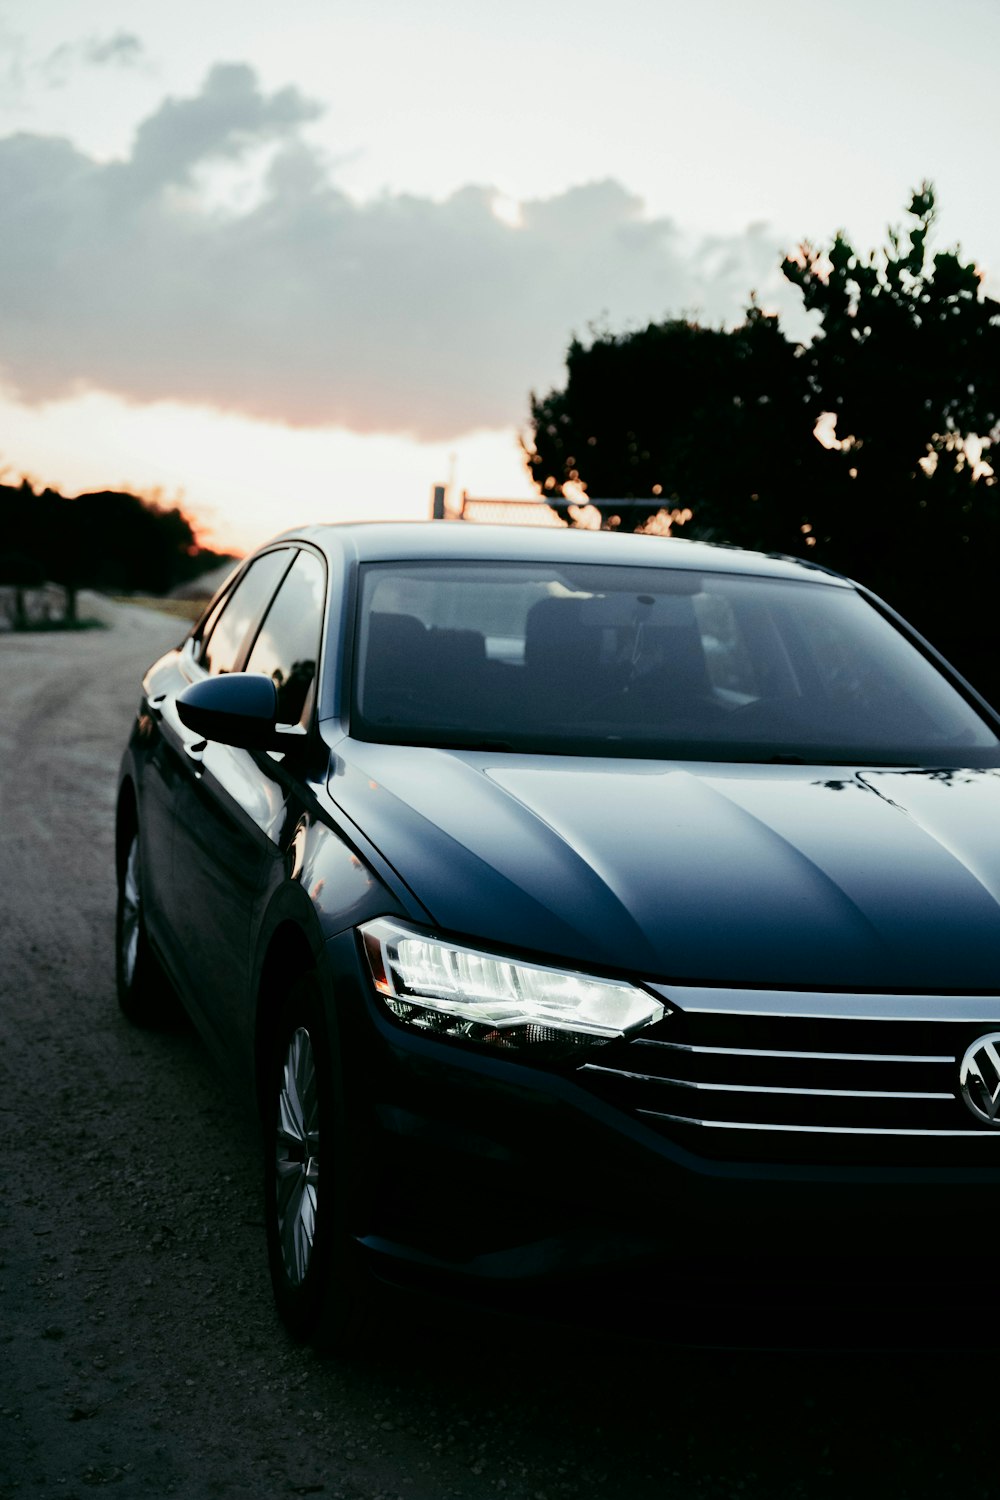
(518, 1188)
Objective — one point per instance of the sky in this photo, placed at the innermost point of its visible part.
(282, 264)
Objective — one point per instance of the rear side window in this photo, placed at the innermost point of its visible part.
(242, 611)
(287, 647)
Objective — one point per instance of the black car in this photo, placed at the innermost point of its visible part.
(605, 927)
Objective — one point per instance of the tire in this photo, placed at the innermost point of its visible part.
(312, 1182)
(144, 995)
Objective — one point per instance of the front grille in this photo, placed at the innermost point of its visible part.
(777, 1077)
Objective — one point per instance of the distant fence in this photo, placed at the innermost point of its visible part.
(516, 512)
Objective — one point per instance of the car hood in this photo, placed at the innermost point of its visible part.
(700, 873)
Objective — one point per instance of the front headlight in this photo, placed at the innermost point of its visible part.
(440, 987)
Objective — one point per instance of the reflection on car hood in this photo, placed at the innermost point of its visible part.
(724, 874)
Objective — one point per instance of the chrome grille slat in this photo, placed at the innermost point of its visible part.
(761, 1088)
(888, 1057)
(823, 1005)
(807, 1129)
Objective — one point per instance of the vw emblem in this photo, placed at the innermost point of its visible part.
(979, 1076)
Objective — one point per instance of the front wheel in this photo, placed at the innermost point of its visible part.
(143, 992)
(310, 1182)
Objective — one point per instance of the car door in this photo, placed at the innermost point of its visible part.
(220, 646)
(230, 825)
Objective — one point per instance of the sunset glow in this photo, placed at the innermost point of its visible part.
(242, 481)
(231, 277)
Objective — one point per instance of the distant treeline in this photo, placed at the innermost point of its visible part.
(111, 541)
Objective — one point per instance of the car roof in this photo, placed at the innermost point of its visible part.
(464, 541)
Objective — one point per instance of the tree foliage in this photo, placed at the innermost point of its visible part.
(867, 449)
(678, 416)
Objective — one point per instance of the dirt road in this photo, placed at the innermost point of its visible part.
(138, 1347)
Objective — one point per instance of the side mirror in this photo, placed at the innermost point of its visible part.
(235, 708)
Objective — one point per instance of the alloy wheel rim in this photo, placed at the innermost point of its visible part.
(131, 910)
(297, 1156)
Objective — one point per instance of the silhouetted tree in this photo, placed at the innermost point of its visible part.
(27, 532)
(684, 417)
(866, 449)
(907, 366)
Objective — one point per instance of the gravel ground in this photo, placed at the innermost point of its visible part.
(138, 1347)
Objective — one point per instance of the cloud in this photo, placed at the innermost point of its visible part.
(123, 49)
(228, 117)
(12, 67)
(401, 314)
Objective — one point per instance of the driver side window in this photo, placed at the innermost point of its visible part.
(227, 636)
(287, 647)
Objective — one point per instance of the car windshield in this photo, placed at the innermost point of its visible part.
(650, 662)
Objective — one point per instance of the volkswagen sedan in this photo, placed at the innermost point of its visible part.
(604, 927)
